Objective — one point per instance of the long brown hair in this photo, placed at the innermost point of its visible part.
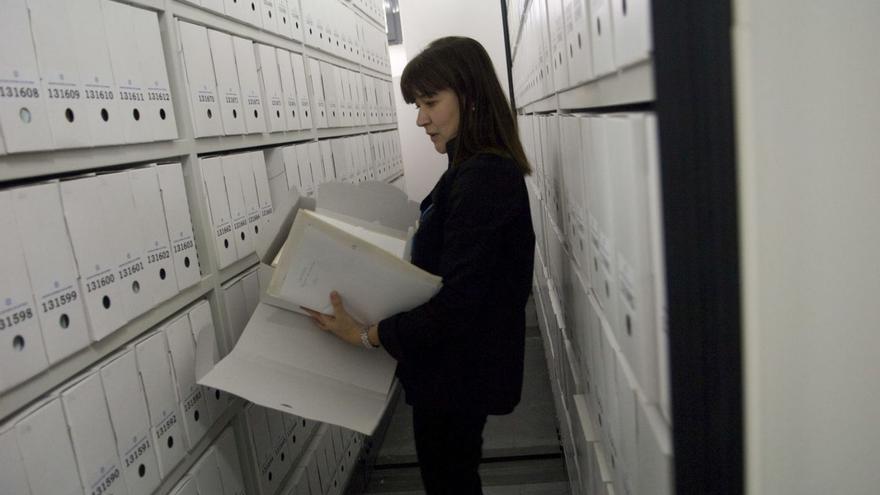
(486, 121)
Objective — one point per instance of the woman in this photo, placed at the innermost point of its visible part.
(460, 355)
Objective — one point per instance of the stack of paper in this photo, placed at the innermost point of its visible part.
(283, 361)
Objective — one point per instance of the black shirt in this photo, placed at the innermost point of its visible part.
(463, 349)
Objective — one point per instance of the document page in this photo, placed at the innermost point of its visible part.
(284, 362)
(374, 284)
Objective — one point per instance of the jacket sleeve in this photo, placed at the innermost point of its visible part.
(481, 201)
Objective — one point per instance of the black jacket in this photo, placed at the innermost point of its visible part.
(463, 349)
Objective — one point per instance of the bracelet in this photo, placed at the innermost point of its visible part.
(365, 337)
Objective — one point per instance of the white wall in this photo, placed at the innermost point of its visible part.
(423, 21)
(808, 112)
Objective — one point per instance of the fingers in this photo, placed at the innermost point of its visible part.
(323, 321)
(336, 301)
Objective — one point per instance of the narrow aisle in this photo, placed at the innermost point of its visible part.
(521, 451)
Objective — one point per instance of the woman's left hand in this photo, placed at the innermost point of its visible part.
(340, 323)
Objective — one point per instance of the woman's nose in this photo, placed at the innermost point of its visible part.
(422, 118)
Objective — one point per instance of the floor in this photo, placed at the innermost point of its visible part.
(521, 451)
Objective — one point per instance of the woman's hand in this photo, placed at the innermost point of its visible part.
(340, 322)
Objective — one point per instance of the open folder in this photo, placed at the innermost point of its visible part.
(282, 360)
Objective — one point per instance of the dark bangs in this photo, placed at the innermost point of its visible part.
(424, 75)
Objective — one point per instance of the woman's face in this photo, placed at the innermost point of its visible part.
(439, 115)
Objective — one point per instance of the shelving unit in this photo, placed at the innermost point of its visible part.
(25, 168)
(602, 350)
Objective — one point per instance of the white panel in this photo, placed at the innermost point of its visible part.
(43, 440)
(190, 396)
(52, 269)
(632, 31)
(151, 221)
(160, 105)
(288, 87)
(12, 474)
(92, 436)
(267, 68)
(24, 120)
(228, 90)
(56, 58)
(167, 428)
(180, 232)
(124, 58)
(218, 205)
(99, 284)
(199, 68)
(131, 423)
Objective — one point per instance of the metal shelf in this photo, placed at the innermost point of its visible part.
(631, 85)
(19, 397)
(234, 270)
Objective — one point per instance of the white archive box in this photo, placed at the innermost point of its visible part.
(159, 264)
(12, 473)
(279, 441)
(228, 90)
(267, 209)
(159, 106)
(248, 181)
(261, 443)
(299, 482)
(249, 82)
(44, 440)
(304, 166)
(601, 37)
(316, 162)
(321, 115)
(229, 463)
(180, 232)
(573, 209)
(291, 167)
(102, 290)
(346, 102)
(237, 208)
(577, 35)
(636, 318)
(632, 31)
(282, 18)
(269, 18)
(655, 474)
(206, 472)
(190, 396)
(329, 78)
(302, 89)
(91, 434)
(130, 418)
(236, 310)
(218, 206)
(600, 217)
(296, 19)
(22, 354)
(207, 354)
(288, 88)
(557, 43)
(200, 80)
(658, 262)
(56, 59)
(327, 160)
(125, 239)
(627, 392)
(341, 159)
(270, 79)
(125, 61)
(24, 119)
(166, 425)
(327, 370)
